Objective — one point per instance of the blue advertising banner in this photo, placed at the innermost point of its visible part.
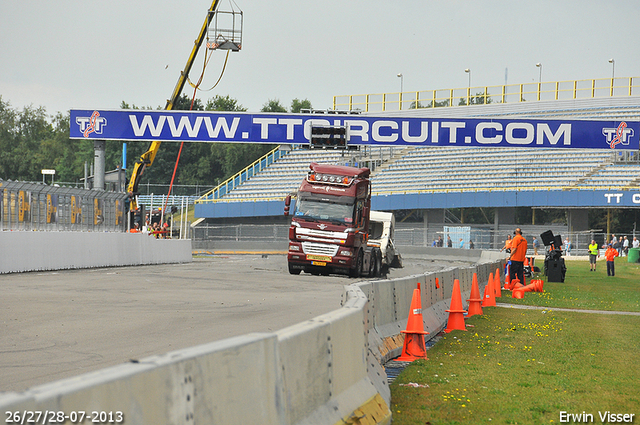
(244, 127)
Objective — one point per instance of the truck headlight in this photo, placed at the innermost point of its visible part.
(346, 253)
(294, 248)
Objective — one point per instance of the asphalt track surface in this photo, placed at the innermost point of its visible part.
(61, 324)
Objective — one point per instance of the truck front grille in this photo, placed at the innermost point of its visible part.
(319, 249)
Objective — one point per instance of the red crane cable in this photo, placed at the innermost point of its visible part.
(195, 89)
(175, 168)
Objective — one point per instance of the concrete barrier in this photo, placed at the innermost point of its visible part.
(326, 370)
(231, 381)
(35, 251)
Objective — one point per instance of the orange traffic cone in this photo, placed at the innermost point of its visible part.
(456, 313)
(518, 292)
(515, 284)
(512, 284)
(496, 284)
(475, 301)
(492, 282)
(489, 298)
(517, 289)
(536, 285)
(414, 345)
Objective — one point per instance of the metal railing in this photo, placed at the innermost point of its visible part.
(156, 201)
(242, 176)
(510, 93)
(35, 206)
(267, 233)
(410, 235)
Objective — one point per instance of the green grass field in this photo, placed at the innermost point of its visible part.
(516, 366)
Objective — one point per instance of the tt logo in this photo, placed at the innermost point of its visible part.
(93, 124)
(619, 135)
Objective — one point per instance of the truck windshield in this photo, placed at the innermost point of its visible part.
(324, 209)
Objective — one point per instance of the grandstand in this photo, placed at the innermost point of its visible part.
(460, 168)
(427, 169)
(416, 170)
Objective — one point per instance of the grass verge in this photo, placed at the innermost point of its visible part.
(583, 289)
(519, 366)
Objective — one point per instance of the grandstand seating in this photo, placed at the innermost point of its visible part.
(612, 176)
(456, 169)
(284, 176)
(468, 169)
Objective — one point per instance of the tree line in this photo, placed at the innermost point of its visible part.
(31, 140)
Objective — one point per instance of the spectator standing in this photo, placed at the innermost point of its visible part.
(610, 254)
(507, 244)
(440, 242)
(593, 254)
(518, 254)
(567, 246)
(636, 243)
(625, 247)
(536, 245)
(616, 243)
(449, 242)
(461, 243)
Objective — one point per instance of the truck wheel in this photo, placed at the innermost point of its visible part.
(377, 263)
(357, 271)
(293, 270)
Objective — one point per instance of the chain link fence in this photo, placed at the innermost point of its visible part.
(413, 234)
(276, 234)
(34, 206)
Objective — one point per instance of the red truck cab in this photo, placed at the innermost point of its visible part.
(330, 224)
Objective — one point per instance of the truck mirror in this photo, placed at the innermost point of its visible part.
(287, 204)
(365, 215)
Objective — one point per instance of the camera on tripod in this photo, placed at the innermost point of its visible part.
(554, 267)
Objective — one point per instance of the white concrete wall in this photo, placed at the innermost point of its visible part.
(325, 370)
(22, 251)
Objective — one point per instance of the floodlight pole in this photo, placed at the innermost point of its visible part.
(613, 73)
(468, 71)
(401, 88)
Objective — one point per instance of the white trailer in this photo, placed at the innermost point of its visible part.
(381, 234)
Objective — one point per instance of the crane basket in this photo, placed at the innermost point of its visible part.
(225, 31)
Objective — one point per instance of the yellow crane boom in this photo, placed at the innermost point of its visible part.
(147, 158)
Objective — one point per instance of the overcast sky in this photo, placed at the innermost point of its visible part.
(88, 54)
